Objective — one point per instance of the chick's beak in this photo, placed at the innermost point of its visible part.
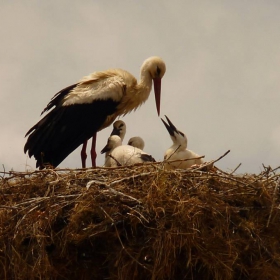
(170, 126)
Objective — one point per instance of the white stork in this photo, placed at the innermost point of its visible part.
(119, 155)
(178, 151)
(83, 109)
(136, 142)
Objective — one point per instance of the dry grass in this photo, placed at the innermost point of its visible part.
(139, 222)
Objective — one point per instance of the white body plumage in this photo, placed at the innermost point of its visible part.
(120, 155)
(136, 142)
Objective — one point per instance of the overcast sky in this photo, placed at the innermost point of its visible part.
(221, 87)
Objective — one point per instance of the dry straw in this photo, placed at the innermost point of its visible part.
(139, 222)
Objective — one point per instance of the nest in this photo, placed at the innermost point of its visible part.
(139, 222)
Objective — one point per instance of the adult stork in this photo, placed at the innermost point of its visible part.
(120, 155)
(178, 151)
(81, 110)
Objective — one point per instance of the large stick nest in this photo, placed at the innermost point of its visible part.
(139, 222)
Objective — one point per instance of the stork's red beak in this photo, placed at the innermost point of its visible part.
(157, 89)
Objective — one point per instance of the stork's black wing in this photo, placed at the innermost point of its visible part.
(58, 97)
(64, 128)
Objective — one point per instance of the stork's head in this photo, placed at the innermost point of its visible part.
(136, 142)
(113, 142)
(119, 128)
(155, 66)
(178, 137)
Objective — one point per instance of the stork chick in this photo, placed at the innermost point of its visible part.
(119, 128)
(136, 142)
(178, 151)
(120, 155)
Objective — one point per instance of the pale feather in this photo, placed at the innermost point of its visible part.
(136, 142)
(171, 154)
(122, 154)
(178, 150)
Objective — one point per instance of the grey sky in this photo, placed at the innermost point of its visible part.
(221, 87)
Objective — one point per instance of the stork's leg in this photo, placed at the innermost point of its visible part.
(92, 151)
(84, 154)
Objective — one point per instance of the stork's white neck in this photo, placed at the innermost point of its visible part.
(145, 84)
(179, 142)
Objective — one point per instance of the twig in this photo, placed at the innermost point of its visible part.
(258, 178)
(57, 177)
(273, 203)
(132, 177)
(108, 186)
(275, 169)
(208, 164)
(118, 164)
(235, 168)
(117, 232)
(20, 221)
(8, 207)
(141, 215)
(221, 156)
(4, 171)
(173, 152)
(180, 160)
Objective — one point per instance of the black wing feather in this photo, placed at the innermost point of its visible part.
(148, 158)
(58, 97)
(64, 128)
